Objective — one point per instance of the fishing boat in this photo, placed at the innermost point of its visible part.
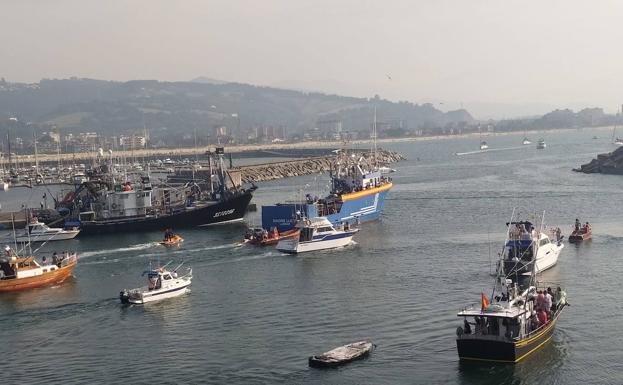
(173, 240)
(39, 232)
(524, 246)
(22, 273)
(161, 284)
(581, 233)
(316, 234)
(341, 355)
(541, 145)
(358, 190)
(262, 237)
(516, 319)
(109, 203)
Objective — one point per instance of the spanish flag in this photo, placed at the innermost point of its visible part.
(484, 301)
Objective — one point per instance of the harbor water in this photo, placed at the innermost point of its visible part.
(254, 315)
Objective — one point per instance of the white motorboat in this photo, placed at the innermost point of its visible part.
(316, 234)
(39, 232)
(484, 145)
(526, 141)
(161, 284)
(523, 243)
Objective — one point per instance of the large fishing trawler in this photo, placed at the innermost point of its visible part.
(109, 203)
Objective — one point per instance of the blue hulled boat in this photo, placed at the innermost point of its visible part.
(356, 196)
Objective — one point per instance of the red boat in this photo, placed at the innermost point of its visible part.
(582, 234)
(261, 237)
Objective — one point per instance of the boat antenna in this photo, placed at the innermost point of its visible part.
(14, 235)
(374, 134)
(178, 266)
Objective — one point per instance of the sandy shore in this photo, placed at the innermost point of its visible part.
(189, 151)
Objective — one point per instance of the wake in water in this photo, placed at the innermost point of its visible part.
(141, 246)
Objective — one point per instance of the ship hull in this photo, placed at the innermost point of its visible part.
(476, 349)
(230, 210)
(357, 208)
(50, 278)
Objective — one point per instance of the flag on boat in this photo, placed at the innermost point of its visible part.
(484, 301)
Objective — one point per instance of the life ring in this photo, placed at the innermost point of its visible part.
(114, 206)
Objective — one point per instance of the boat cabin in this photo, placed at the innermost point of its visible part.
(314, 229)
(159, 279)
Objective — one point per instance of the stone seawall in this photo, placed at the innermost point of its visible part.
(306, 166)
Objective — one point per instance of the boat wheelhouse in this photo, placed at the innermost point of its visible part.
(316, 234)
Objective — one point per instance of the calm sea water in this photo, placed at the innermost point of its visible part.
(255, 315)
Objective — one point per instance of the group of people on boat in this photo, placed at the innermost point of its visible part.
(586, 228)
(546, 303)
(56, 259)
(521, 232)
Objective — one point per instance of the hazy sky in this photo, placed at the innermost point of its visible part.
(497, 57)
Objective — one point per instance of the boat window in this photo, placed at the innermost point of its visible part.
(306, 234)
(324, 229)
(167, 276)
(543, 242)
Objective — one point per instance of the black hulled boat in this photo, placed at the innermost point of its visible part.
(104, 205)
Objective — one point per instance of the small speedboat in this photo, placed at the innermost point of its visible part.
(175, 240)
(316, 234)
(484, 145)
(161, 284)
(526, 141)
(541, 144)
(39, 232)
(342, 355)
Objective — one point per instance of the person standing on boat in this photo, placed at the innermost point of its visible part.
(547, 304)
(577, 224)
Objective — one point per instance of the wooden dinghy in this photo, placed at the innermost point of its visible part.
(341, 355)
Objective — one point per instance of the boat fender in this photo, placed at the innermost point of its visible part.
(459, 331)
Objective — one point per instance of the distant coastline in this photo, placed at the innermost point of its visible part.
(189, 151)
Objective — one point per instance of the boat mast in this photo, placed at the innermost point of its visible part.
(34, 135)
(374, 135)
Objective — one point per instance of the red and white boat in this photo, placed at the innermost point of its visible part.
(583, 233)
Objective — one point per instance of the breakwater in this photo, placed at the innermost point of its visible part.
(306, 166)
(609, 163)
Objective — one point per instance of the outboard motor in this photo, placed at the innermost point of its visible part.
(124, 296)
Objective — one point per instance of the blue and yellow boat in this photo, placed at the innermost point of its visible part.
(356, 196)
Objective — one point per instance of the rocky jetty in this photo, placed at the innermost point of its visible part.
(305, 166)
(610, 163)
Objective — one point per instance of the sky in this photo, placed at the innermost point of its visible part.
(498, 59)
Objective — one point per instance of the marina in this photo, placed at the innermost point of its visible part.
(303, 303)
